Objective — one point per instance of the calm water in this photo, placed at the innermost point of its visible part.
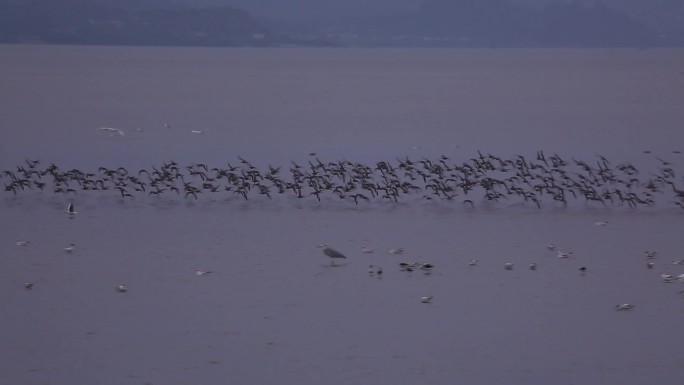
(277, 105)
(273, 310)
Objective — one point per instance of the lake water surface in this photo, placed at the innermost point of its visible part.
(274, 310)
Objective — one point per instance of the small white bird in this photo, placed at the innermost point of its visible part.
(600, 223)
(23, 243)
(397, 251)
(533, 266)
(650, 254)
(508, 266)
(367, 250)
(667, 278)
(112, 131)
(201, 273)
(551, 246)
(427, 299)
(198, 132)
(562, 254)
(650, 265)
(473, 262)
(122, 288)
(28, 285)
(624, 306)
(678, 261)
(70, 249)
(680, 278)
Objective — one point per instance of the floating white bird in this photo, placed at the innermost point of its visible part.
(201, 273)
(624, 306)
(427, 299)
(600, 223)
(70, 210)
(122, 288)
(551, 246)
(23, 243)
(332, 253)
(650, 254)
(198, 132)
(678, 261)
(398, 250)
(367, 250)
(562, 254)
(680, 278)
(533, 266)
(112, 131)
(70, 249)
(667, 278)
(28, 285)
(650, 265)
(473, 262)
(508, 266)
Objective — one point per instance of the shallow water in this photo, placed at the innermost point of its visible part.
(273, 309)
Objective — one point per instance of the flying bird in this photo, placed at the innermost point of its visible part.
(70, 210)
(112, 131)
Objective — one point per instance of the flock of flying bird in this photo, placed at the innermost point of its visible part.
(535, 181)
(486, 177)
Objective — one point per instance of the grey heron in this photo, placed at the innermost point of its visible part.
(332, 253)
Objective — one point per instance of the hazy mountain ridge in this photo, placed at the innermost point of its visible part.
(453, 23)
(103, 23)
